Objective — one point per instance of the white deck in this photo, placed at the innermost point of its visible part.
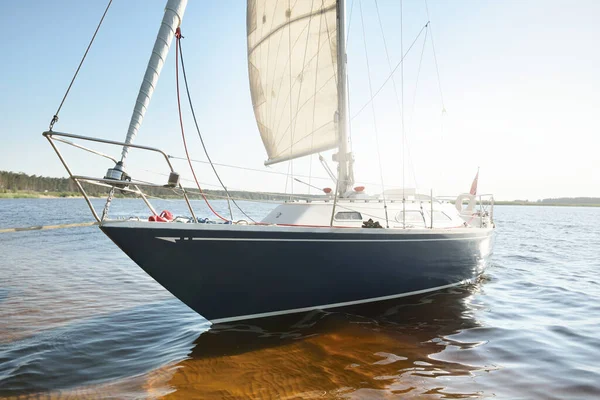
(414, 213)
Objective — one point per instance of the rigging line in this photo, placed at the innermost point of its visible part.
(412, 114)
(348, 97)
(281, 195)
(349, 23)
(55, 117)
(349, 127)
(402, 119)
(187, 89)
(213, 194)
(392, 73)
(290, 72)
(265, 171)
(387, 225)
(348, 85)
(398, 102)
(335, 197)
(287, 178)
(388, 55)
(246, 168)
(312, 137)
(293, 128)
(58, 139)
(437, 70)
(260, 170)
(310, 160)
(289, 65)
(178, 36)
(401, 106)
(162, 174)
(264, 201)
(308, 184)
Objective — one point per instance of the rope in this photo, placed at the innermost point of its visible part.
(46, 227)
(178, 36)
(187, 89)
(55, 117)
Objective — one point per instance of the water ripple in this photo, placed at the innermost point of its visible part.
(80, 320)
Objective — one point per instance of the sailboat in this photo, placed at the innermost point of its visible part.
(344, 249)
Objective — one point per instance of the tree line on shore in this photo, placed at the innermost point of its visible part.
(19, 182)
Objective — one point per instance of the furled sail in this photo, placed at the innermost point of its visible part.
(292, 63)
(171, 20)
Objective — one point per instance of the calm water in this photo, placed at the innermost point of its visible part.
(78, 319)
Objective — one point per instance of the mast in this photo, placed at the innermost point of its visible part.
(343, 157)
(171, 20)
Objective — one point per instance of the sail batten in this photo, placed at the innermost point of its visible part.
(292, 68)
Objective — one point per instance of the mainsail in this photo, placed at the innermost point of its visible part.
(293, 70)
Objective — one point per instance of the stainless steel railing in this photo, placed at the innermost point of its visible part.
(113, 184)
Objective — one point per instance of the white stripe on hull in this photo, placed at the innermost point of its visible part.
(335, 305)
(176, 239)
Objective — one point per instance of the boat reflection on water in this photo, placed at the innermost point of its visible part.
(402, 347)
(376, 350)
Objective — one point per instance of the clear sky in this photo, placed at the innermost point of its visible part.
(520, 83)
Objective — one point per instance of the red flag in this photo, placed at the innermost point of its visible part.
(474, 184)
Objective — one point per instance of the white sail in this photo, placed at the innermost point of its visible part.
(171, 20)
(292, 63)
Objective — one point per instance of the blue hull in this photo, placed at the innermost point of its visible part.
(231, 272)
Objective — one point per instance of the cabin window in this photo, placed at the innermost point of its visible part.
(439, 216)
(413, 218)
(348, 216)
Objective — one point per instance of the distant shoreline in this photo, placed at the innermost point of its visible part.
(540, 204)
(18, 185)
(36, 195)
(75, 195)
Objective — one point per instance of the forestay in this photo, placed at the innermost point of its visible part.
(292, 63)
